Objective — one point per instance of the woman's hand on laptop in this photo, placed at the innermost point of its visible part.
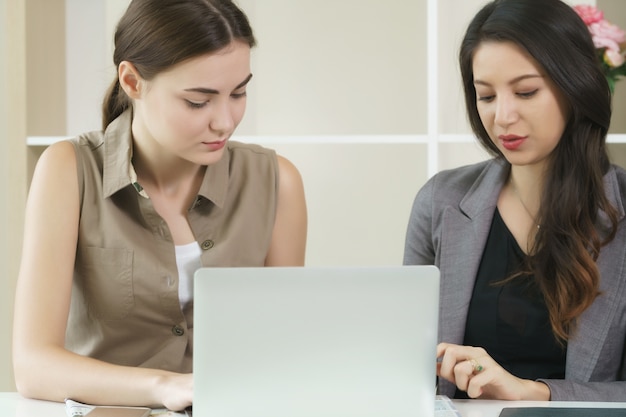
(175, 391)
(472, 370)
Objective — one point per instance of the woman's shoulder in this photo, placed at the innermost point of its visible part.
(92, 139)
(477, 184)
(465, 177)
(60, 155)
(619, 172)
(249, 149)
(250, 153)
(615, 183)
(254, 161)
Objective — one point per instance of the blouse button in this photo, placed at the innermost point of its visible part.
(207, 244)
(178, 330)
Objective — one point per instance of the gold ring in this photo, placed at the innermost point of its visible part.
(476, 367)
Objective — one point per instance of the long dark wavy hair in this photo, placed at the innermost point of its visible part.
(156, 34)
(566, 247)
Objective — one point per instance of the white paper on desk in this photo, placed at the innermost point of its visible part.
(445, 408)
(76, 409)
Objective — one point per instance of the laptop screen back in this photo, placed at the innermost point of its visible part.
(315, 341)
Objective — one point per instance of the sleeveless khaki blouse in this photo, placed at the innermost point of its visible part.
(125, 306)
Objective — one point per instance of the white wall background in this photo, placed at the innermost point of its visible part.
(12, 168)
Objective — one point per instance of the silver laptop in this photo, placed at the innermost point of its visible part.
(315, 341)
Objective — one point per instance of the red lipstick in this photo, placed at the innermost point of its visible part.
(512, 142)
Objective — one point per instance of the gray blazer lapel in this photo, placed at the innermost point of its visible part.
(463, 237)
(464, 234)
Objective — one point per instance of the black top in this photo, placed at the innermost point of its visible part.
(510, 320)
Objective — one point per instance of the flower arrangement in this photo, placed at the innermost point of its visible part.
(609, 40)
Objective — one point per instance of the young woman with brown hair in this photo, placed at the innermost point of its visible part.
(530, 244)
(118, 220)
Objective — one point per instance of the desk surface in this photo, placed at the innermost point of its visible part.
(12, 404)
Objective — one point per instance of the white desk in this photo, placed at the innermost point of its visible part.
(12, 404)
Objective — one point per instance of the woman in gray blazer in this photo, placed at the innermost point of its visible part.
(531, 244)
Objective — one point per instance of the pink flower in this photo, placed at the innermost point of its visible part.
(607, 35)
(589, 14)
(613, 58)
(608, 39)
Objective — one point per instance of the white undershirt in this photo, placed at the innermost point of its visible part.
(187, 262)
